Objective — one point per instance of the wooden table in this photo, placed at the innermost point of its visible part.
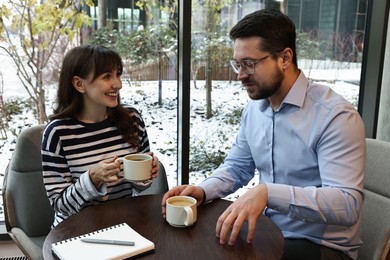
(143, 214)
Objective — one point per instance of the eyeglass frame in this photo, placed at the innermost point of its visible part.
(254, 63)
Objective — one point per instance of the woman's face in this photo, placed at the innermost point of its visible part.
(102, 92)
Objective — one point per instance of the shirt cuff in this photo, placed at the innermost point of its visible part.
(208, 191)
(89, 189)
(279, 196)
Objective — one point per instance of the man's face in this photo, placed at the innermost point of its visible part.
(267, 76)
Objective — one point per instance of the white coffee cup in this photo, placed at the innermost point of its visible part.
(136, 167)
(181, 211)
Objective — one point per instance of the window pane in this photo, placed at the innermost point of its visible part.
(329, 44)
(145, 37)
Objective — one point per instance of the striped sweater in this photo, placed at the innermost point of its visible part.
(70, 148)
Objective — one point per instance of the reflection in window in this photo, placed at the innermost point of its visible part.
(128, 19)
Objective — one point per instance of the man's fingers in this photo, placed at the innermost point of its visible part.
(172, 192)
(251, 229)
(236, 227)
(220, 221)
(224, 224)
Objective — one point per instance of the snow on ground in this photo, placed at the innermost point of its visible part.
(161, 121)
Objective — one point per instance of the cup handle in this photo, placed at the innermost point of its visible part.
(120, 160)
(190, 217)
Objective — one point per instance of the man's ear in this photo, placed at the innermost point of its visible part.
(78, 84)
(287, 57)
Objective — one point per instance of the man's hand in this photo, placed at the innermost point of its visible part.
(183, 190)
(247, 207)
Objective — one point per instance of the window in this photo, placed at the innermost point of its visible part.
(330, 38)
(331, 45)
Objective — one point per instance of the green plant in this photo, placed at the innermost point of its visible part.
(16, 106)
(207, 154)
(104, 36)
(16, 110)
(308, 46)
(234, 117)
(206, 158)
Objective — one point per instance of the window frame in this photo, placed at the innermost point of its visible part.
(373, 64)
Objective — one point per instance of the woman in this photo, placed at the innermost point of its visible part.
(88, 131)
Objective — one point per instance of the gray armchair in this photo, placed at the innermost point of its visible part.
(159, 185)
(376, 206)
(28, 214)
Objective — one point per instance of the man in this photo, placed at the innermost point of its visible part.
(306, 141)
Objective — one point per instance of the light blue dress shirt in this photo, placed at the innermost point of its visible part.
(311, 155)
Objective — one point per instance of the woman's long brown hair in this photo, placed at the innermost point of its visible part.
(81, 61)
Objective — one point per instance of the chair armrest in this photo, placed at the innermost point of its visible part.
(28, 247)
(386, 250)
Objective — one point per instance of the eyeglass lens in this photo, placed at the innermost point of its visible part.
(247, 65)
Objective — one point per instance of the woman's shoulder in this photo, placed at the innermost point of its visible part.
(131, 109)
(133, 112)
(58, 124)
(54, 130)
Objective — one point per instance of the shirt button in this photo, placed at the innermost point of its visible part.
(270, 145)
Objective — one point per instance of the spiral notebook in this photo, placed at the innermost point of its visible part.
(74, 248)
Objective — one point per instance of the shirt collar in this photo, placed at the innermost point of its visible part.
(295, 96)
(297, 93)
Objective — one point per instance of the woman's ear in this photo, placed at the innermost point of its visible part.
(78, 84)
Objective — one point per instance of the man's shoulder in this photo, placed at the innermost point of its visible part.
(326, 96)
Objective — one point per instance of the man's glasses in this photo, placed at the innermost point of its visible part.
(249, 66)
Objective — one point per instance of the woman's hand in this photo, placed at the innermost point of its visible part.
(155, 166)
(105, 171)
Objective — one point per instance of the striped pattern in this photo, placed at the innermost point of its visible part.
(14, 258)
(70, 148)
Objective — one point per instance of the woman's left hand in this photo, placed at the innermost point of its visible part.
(155, 167)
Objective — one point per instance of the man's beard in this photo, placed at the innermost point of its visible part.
(265, 89)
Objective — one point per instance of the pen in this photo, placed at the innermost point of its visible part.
(107, 241)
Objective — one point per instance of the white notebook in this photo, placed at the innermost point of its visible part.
(74, 248)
